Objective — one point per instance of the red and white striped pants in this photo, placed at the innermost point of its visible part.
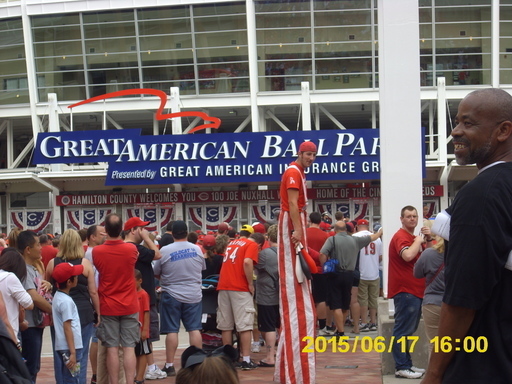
(297, 310)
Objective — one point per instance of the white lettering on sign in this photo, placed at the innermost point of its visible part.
(144, 174)
(181, 171)
(368, 166)
(239, 170)
(126, 150)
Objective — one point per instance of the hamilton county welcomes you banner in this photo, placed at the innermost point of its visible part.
(135, 159)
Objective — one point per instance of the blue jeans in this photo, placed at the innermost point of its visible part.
(87, 331)
(32, 343)
(407, 318)
(66, 377)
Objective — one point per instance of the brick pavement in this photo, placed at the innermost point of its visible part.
(351, 367)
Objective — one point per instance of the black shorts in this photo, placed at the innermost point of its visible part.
(319, 287)
(357, 277)
(340, 284)
(268, 318)
(143, 347)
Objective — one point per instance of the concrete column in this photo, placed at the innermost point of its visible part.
(400, 114)
(306, 106)
(53, 123)
(442, 138)
(253, 64)
(176, 107)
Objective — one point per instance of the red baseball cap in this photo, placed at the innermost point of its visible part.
(65, 271)
(209, 241)
(363, 222)
(307, 146)
(258, 227)
(223, 227)
(133, 222)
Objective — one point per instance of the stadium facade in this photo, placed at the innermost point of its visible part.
(261, 67)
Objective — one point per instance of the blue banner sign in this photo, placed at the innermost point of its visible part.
(135, 159)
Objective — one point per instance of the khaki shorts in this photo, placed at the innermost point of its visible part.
(235, 309)
(368, 293)
(115, 331)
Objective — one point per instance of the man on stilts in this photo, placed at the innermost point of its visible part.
(297, 308)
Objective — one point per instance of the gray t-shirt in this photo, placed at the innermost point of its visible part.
(267, 282)
(427, 266)
(32, 281)
(345, 250)
(180, 271)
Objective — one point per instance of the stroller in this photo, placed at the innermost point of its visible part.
(212, 337)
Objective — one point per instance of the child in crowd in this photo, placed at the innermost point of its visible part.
(143, 347)
(68, 335)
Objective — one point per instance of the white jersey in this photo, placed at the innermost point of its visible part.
(369, 257)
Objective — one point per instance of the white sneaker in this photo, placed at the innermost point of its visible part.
(155, 374)
(325, 332)
(255, 347)
(408, 374)
(418, 370)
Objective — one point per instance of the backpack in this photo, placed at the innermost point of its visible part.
(12, 366)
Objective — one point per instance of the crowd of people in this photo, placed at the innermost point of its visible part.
(97, 288)
(110, 308)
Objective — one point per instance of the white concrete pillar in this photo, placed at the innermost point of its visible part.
(442, 139)
(400, 114)
(306, 106)
(253, 65)
(176, 107)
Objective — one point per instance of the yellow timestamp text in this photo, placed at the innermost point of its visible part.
(468, 344)
(364, 344)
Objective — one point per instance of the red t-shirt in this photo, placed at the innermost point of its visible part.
(316, 238)
(48, 252)
(232, 275)
(401, 278)
(115, 261)
(293, 179)
(143, 299)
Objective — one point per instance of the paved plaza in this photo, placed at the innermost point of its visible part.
(354, 367)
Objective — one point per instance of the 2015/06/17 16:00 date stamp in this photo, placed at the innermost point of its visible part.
(378, 344)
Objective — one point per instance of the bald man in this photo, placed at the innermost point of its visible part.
(345, 249)
(478, 261)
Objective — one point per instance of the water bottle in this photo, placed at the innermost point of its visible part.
(76, 370)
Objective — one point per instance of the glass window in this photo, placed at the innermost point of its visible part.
(164, 27)
(107, 17)
(343, 18)
(221, 39)
(220, 23)
(169, 58)
(458, 46)
(342, 4)
(505, 56)
(13, 67)
(60, 33)
(61, 48)
(59, 63)
(283, 6)
(164, 13)
(112, 45)
(159, 43)
(219, 9)
(108, 30)
(112, 80)
(284, 36)
(55, 20)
